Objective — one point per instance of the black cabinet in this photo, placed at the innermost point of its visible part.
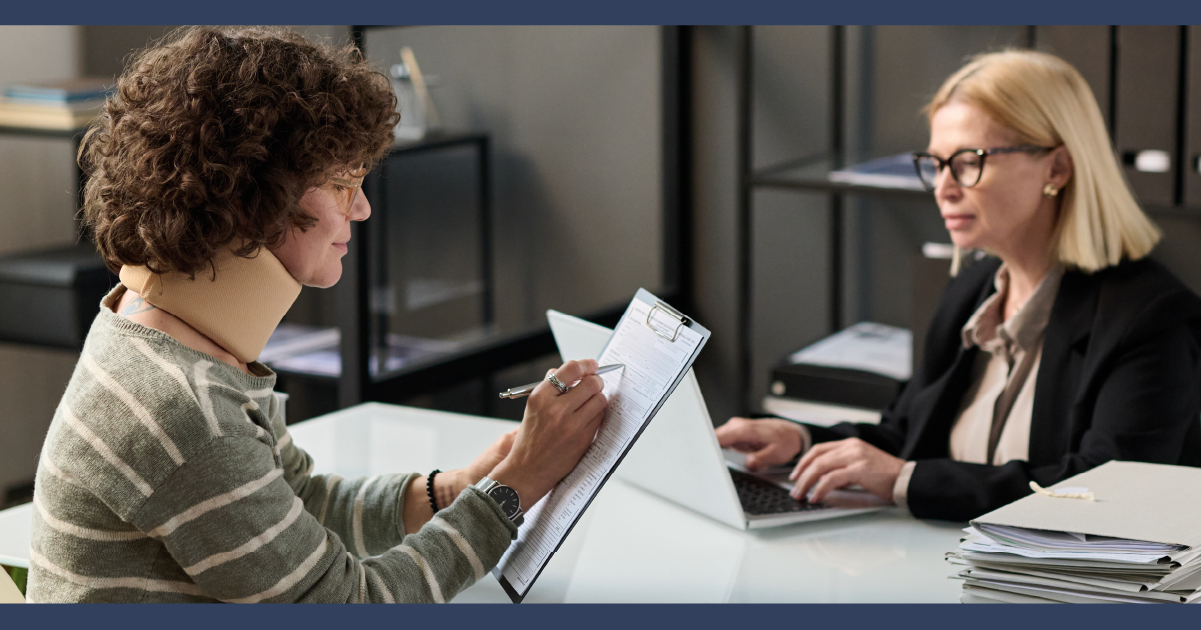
(1191, 161)
(1146, 110)
(50, 297)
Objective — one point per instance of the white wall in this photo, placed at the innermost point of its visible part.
(37, 203)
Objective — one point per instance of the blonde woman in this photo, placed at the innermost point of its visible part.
(1065, 348)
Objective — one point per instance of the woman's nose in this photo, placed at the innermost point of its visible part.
(945, 185)
(360, 208)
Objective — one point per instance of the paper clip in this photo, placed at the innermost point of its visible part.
(670, 312)
(1064, 493)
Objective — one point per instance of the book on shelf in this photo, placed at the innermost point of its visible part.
(65, 105)
(894, 171)
(66, 118)
(60, 91)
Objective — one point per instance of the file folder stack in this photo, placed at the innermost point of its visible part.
(1127, 545)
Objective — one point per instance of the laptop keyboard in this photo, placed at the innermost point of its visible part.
(760, 497)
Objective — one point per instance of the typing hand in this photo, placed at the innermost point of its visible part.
(767, 442)
(832, 465)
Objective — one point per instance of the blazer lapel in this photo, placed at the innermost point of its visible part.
(1056, 386)
(936, 406)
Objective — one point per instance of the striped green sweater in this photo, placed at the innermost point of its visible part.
(168, 476)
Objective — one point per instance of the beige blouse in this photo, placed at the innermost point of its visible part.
(993, 425)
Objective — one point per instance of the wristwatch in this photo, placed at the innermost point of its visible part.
(505, 497)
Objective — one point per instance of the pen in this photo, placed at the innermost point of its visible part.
(524, 390)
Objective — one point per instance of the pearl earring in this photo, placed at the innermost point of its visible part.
(1050, 190)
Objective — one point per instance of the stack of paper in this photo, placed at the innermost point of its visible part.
(1139, 541)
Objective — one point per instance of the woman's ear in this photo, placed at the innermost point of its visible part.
(1061, 167)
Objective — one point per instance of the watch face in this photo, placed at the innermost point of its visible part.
(507, 498)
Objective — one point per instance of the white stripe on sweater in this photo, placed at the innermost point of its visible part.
(379, 584)
(362, 581)
(80, 531)
(357, 519)
(260, 393)
(171, 369)
(84, 432)
(289, 580)
(54, 470)
(462, 544)
(219, 501)
(203, 385)
(430, 580)
(251, 545)
(285, 440)
(145, 584)
(330, 482)
(136, 407)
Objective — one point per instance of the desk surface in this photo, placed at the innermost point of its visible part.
(632, 546)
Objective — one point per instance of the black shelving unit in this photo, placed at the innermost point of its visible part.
(480, 359)
(811, 173)
(63, 283)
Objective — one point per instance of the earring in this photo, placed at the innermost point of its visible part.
(1050, 190)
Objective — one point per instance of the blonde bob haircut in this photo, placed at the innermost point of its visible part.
(1046, 102)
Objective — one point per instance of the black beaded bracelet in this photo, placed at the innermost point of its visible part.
(429, 489)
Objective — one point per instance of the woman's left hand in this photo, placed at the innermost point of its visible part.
(832, 465)
(457, 480)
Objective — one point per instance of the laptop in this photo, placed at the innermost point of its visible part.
(677, 456)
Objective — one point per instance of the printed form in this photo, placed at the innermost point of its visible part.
(653, 365)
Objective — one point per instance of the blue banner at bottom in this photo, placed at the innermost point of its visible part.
(609, 616)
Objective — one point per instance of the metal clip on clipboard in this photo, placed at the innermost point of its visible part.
(670, 312)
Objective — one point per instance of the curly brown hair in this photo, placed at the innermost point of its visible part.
(214, 134)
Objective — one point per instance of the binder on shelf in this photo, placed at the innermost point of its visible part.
(60, 290)
(860, 369)
(894, 171)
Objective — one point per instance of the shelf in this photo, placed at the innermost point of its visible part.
(38, 132)
(812, 174)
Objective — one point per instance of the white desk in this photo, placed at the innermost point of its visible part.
(632, 546)
(14, 535)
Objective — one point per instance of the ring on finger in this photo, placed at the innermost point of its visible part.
(554, 380)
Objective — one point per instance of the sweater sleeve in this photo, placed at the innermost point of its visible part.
(233, 523)
(365, 512)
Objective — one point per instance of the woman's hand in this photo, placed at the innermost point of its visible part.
(833, 465)
(767, 442)
(556, 431)
(448, 485)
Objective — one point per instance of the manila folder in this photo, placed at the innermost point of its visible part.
(1134, 500)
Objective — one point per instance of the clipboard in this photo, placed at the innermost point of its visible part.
(667, 323)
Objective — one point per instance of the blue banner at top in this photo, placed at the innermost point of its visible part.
(699, 12)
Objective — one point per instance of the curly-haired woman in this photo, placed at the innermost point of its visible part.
(223, 177)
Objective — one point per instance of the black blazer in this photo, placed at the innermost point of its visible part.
(1119, 379)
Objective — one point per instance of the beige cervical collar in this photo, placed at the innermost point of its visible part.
(239, 310)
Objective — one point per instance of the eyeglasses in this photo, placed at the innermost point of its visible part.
(966, 164)
(344, 190)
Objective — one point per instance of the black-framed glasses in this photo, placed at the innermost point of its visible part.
(966, 164)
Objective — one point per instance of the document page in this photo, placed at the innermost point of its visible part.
(653, 366)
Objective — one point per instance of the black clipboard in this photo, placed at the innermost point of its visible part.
(666, 322)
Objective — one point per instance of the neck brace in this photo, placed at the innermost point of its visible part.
(238, 310)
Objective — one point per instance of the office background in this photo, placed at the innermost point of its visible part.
(577, 119)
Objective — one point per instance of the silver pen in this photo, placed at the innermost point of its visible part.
(524, 390)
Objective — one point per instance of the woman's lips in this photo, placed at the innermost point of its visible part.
(958, 221)
(341, 247)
